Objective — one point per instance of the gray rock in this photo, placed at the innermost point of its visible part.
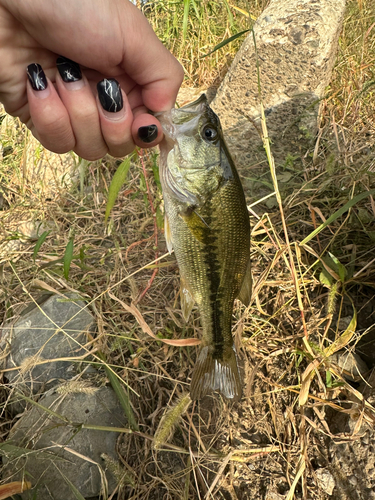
(57, 450)
(326, 481)
(55, 329)
(296, 44)
(353, 459)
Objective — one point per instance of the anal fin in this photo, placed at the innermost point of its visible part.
(213, 373)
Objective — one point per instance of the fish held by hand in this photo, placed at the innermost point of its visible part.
(207, 225)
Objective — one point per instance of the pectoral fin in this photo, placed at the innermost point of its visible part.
(187, 301)
(167, 234)
(245, 292)
(196, 224)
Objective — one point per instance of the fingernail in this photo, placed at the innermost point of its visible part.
(110, 96)
(69, 70)
(148, 134)
(37, 77)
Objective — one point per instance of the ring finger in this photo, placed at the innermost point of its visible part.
(116, 117)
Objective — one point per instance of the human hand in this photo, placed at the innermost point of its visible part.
(109, 39)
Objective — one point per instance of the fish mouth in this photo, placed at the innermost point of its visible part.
(185, 118)
(193, 108)
(179, 123)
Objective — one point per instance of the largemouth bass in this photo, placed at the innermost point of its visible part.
(207, 225)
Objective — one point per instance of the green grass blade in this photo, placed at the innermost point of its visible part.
(328, 379)
(225, 42)
(43, 408)
(338, 214)
(341, 270)
(39, 243)
(74, 490)
(92, 427)
(230, 15)
(116, 184)
(120, 393)
(186, 18)
(68, 256)
(345, 337)
(122, 397)
(196, 10)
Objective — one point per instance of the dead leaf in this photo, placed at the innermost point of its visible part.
(132, 309)
(7, 490)
(307, 378)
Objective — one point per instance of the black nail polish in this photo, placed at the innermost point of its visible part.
(69, 70)
(110, 96)
(148, 134)
(37, 77)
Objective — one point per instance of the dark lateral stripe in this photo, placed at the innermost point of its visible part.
(210, 257)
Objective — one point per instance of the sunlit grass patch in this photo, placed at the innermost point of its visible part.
(191, 29)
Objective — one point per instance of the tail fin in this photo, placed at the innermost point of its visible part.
(213, 373)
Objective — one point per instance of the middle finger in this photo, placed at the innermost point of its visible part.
(78, 99)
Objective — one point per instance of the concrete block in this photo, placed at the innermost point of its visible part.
(296, 44)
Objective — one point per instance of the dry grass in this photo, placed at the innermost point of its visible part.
(207, 25)
(309, 300)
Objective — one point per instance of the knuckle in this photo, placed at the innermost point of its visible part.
(119, 152)
(56, 135)
(91, 154)
(84, 117)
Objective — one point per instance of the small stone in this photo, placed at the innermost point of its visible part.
(352, 366)
(34, 229)
(325, 480)
(272, 495)
(353, 480)
(59, 450)
(56, 329)
(365, 440)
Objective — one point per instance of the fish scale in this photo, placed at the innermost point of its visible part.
(207, 224)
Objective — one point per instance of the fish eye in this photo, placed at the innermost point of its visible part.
(209, 133)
